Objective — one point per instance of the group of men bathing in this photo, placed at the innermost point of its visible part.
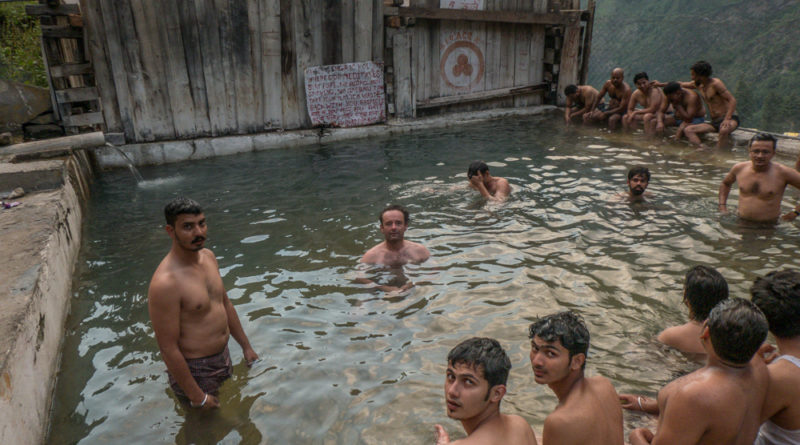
(657, 105)
(722, 403)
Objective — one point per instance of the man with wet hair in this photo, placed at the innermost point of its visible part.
(580, 100)
(687, 106)
(588, 408)
(619, 93)
(395, 250)
(192, 316)
(490, 187)
(638, 180)
(703, 288)
(720, 403)
(474, 386)
(761, 183)
(650, 98)
(778, 297)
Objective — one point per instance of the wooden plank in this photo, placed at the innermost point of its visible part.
(348, 31)
(184, 13)
(363, 31)
(421, 59)
(332, 32)
(587, 43)
(481, 96)
(61, 32)
(117, 69)
(567, 18)
(308, 47)
(377, 30)
(272, 87)
(39, 10)
(403, 86)
(241, 57)
(226, 37)
(494, 52)
(257, 120)
(292, 117)
(71, 69)
(97, 51)
(210, 53)
(76, 94)
(434, 54)
(83, 120)
(568, 65)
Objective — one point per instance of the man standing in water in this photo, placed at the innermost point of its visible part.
(619, 94)
(721, 402)
(191, 314)
(395, 250)
(638, 180)
(490, 187)
(474, 386)
(588, 410)
(761, 183)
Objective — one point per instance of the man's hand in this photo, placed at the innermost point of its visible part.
(250, 356)
(723, 209)
(441, 435)
(641, 436)
(476, 180)
(789, 216)
(211, 402)
(633, 402)
(767, 352)
(727, 125)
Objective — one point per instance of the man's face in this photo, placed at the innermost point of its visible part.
(466, 391)
(575, 96)
(675, 97)
(550, 361)
(393, 225)
(637, 184)
(761, 153)
(643, 84)
(189, 231)
(616, 79)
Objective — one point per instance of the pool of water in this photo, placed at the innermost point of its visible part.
(342, 364)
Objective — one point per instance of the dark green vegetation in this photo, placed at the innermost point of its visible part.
(20, 47)
(753, 46)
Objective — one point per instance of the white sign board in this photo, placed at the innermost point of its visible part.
(347, 95)
(474, 5)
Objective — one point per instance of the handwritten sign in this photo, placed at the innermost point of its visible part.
(347, 95)
(474, 5)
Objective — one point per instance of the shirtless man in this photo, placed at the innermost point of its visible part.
(580, 100)
(650, 98)
(477, 371)
(638, 180)
(703, 288)
(778, 296)
(720, 403)
(490, 187)
(191, 314)
(688, 109)
(588, 410)
(721, 106)
(761, 183)
(619, 94)
(395, 251)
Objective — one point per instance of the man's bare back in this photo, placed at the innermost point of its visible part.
(502, 429)
(592, 404)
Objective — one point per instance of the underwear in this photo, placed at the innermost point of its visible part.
(209, 373)
(717, 122)
(601, 106)
(695, 121)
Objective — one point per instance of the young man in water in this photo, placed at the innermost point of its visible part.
(191, 314)
(490, 187)
(580, 100)
(688, 109)
(474, 386)
(650, 98)
(638, 180)
(619, 94)
(395, 250)
(778, 297)
(720, 403)
(721, 106)
(588, 410)
(761, 183)
(703, 288)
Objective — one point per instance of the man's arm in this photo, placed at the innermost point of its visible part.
(557, 431)
(729, 99)
(503, 190)
(725, 189)
(600, 96)
(237, 332)
(793, 179)
(633, 402)
(164, 306)
(567, 111)
(476, 182)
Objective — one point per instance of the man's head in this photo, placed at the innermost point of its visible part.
(559, 344)
(638, 180)
(617, 76)
(186, 223)
(477, 167)
(571, 91)
(673, 91)
(736, 329)
(701, 69)
(394, 222)
(641, 81)
(179, 206)
(762, 149)
(778, 297)
(477, 371)
(703, 289)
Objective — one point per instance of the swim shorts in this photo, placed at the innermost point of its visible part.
(717, 122)
(601, 106)
(209, 373)
(695, 121)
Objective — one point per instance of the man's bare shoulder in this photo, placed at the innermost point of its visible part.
(374, 254)
(417, 251)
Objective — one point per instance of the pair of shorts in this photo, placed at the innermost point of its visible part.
(601, 106)
(695, 121)
(717, 122)
(209, 373)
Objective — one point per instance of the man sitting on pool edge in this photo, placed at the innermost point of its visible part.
(490, 187)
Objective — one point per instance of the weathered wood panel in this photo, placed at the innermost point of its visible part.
(272, 87)
(98, 50)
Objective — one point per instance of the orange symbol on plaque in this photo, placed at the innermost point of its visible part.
(462, 66)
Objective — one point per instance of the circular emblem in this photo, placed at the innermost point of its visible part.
(462, 65)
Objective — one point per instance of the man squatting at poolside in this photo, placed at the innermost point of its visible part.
(588, 410)
(191, 314)
(761, 183)
(619, 93)
(474, 386)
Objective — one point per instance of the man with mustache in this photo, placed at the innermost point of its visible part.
(638, 180)
(191, 314)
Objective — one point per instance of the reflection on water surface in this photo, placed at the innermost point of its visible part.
(345, 364)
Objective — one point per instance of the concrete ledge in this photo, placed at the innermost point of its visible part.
(42, 240)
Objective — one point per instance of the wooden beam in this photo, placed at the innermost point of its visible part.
(81, 120)
(76, 95)
(567, 18)
(587, 42)
(481, 96)
(61, 32)
(70, 69)
(46, 10)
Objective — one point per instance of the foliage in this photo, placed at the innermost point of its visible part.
(752, 47)
(20, 46)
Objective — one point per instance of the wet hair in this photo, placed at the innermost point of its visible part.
(178, 206)
(672, 87)
(641, 75)
(778, 297)
(639, 170)
(484, 354)
(764, 137)
(570, 89)
(702, 68)
(475, 167)
(737, 329)
(406, 217)
(566, 327)
(703, 289)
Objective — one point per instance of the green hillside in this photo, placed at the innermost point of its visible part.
(753, 46)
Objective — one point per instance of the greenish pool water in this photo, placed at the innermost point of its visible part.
(342, 364)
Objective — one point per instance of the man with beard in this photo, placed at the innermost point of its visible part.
(761, 183)
(191, 314)
(588, 408)
(619, 94)
(721, 105)
(638, 180)
(650, 98)
(474, 386)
